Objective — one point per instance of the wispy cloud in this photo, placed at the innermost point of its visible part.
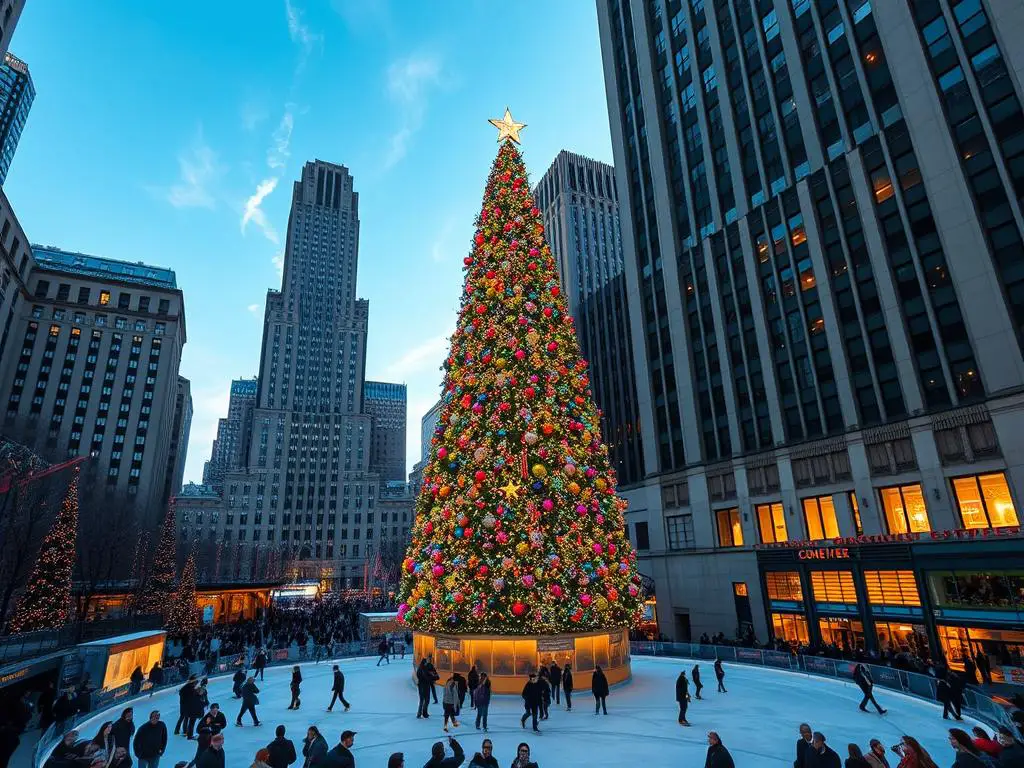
(278, 262)
(254, 308)
(198, 169)
(408, 82)
(300, 33)
(428, 353)
(254, 212)
(280, 146)
(252, 115)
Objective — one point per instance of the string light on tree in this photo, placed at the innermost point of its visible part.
(518, 526)
(184, 615)
(159, 591)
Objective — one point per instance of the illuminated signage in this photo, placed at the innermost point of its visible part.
(833, 553)
(956, 534)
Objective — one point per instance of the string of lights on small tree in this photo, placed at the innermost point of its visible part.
(158, 592)
(184, 615)
(46, 601)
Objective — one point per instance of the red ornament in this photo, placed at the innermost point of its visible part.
(468, 260)
(518, 608)
(481, 309)
(480, 476)
(467, 533)
(479, 238)
(552, 346)
(547, 312)
(554, 290)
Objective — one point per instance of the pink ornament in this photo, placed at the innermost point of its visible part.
(502, 537)
(438, 571)
(633, 590)
(528, 580)
(585, 599)
(548, 505)
(477, 408)
(442, 452)
(556, 590)
(534, 252)
(611, 549)
(520, 354)
(598, 549)
(581, 509)
(600, 519)
(591, 471)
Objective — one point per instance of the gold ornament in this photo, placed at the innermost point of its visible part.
(507, 127)
(511, 491)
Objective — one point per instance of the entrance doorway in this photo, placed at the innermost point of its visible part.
(744, 616)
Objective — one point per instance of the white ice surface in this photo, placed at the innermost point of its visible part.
(757, 719)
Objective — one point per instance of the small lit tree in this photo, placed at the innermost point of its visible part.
(184, 616)
(159, 590)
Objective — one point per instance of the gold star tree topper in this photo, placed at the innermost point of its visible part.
(507, 127)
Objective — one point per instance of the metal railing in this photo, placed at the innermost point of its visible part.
(976, 703)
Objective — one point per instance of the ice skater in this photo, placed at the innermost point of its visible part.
(249, 702)
(472, 680)
(948, 691)
(424, 685)
(862, 676)
(437, 758)
(567, 686)
(682, 696)
(295, 686)
(382, 652)
(718, 756)
(555, 676)
(545, 692)
(338, 689)
(599, 687)
(531, 701)
(482, 700)
(260, 663)
(697, 685)
(720, 676)
(450, 702)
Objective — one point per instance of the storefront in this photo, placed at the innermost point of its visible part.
(938, 595)
(216, 602)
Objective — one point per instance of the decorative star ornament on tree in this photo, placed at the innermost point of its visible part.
(507, 127)
(511, 491)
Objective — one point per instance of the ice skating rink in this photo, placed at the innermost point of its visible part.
(757, 719)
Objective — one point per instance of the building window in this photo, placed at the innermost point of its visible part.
(905, 510)
(790, 627)
(643, 539)
(858, 526)
(984, 501)
(104, 298)
(771, 522)
(784, 585)
(820, 514)
(730, 532)
(833, 587)
(739, 589)
(680, 531)
(892, 588)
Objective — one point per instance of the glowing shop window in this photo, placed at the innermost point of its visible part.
(730, 532)
(833, 587)
(892, 588)
(783, 585)
(984, 501)
(905, 510)
(857, 525)
(820, 514)
(771, 520)
(790, 627)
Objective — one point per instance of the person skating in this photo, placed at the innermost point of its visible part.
(217, 720)
(338, 689)
(450, 702)
(472, 681)
(821, 755)
(697, 685)
(555, 678)
(523, 757)
(970, 670)
(204, 734)
(314, 749)
(545, 692)
(424, 684)
(461, 686)
(946, 691)
(875, 755)
(599, 687)
(1012, 755)
(567, 686)
(195, 709)
(482, 700)
(862, 676)
(531, 701)
(214, 756)
(124, 728)
(249, 701)
(281, 750)
(260, 663)
(682, 696)
(803, 746)
(485, 757)
(437, 758)
(434, 677)
(382, 652)
(720, 676)
(63, 710)
(295, 685)
(184, 704)
(341, 756)
(718, 756)
(150, 741)
(238, 680)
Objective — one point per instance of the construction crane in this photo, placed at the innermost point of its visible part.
(10, 479)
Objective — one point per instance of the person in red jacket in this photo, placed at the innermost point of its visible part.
(986, 743)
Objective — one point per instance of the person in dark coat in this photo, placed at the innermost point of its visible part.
(66, 752)
(472, 681)
(196, 709)
(820, 755)
(249, 701)
(482, 700)
(340, 756)
(214, 756)
(282, 750)
(137, 679)
(184, 704)
(682, 696)
(434, 676)
(984, 666)
(124, 728)
(424, 683)
(382, 652)
(461, 686)
(555, 678)
(718, 756)
(437, 758)
(83, 699)
(338, 689)
(803, 746)
(18, 715)
(720, 676)
(944, 693)
(156, 677)
(64, 709)
(599, 687)
(862, 676)
(545, 692)
(697, 685)
(45, 706)
(150, 741)
(485, 757)
(238, 680)
(856, 757)
(970, 671)
(567, 685)
(295, 686)
(260, 663)
(314, 749)
(217, 720)
(204, 735)
(531, 701)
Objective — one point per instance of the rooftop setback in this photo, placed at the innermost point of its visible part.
(70, 262)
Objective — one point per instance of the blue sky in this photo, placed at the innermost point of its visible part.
(170, 133)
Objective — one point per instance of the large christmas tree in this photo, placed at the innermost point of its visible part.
(518, 526)
(46, 601)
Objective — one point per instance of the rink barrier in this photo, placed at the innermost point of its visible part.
(976, 703)
(276, 657)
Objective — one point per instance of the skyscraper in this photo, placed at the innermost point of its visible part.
(822, 232)
(305, 488)
(17, 93)
(386, 404)
(11, 12)
(579, 202)
(181, 426)
(234, 433)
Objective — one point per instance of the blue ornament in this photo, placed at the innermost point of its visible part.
(458, 532)
(482, 396)
(501, 433)
(453, 466)
(537, 486)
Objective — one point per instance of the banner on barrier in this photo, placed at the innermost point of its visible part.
(748, 654)
(822, 666)
(778, 659)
